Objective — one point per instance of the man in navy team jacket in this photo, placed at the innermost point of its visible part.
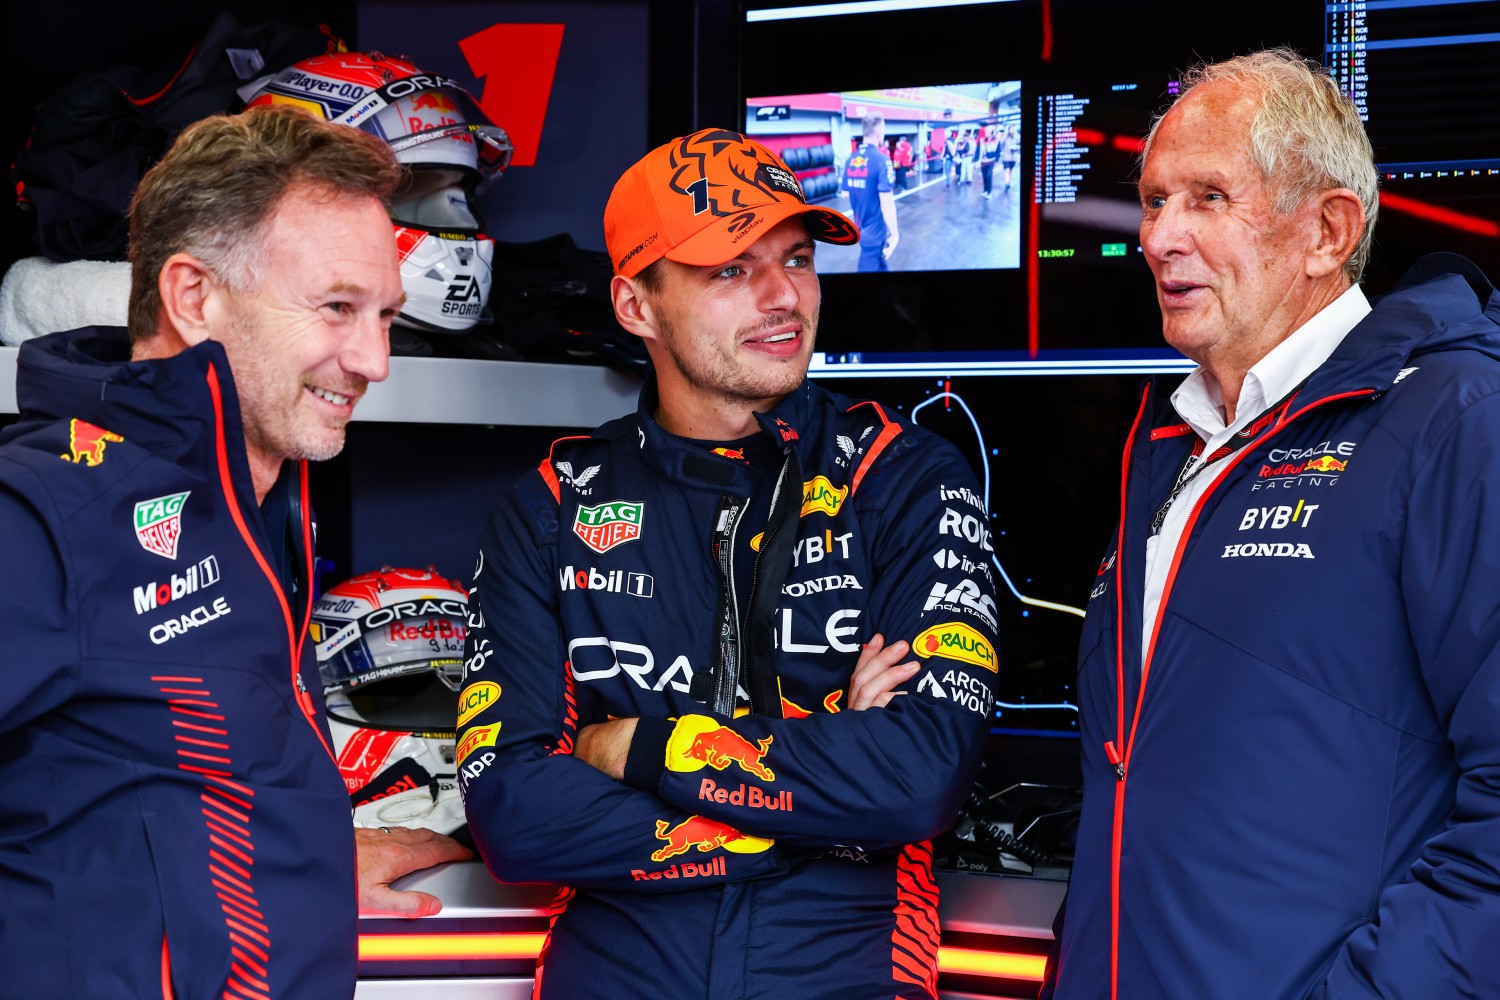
(1290, 672)
(172, 822)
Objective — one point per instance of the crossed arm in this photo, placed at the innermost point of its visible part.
(880, 670)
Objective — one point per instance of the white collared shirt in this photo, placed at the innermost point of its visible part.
(1200, 403)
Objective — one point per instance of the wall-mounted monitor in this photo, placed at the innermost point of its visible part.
(1425, 75)
(949, 158)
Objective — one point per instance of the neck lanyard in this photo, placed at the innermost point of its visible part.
(1189, 471)
(1191, 468)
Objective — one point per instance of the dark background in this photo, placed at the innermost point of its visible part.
(634, 73)
(1082, 46)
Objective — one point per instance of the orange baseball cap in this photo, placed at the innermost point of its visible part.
(704, 197)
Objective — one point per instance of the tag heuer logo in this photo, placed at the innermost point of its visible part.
(609, 524)
(158, 524)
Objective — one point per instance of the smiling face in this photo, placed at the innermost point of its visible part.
(305, 342)
(1230, 270)
(733, 339)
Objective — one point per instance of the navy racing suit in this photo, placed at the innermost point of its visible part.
(765, 842)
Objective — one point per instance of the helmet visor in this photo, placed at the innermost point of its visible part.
(395, 649)
(429, 120)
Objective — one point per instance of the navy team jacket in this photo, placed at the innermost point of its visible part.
(1298, 793)
(777, 847)
(172, 823)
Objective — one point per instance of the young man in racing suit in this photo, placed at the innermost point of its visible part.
(667, 711)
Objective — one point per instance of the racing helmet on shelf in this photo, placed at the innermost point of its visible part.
(390, 648)
(450, 147)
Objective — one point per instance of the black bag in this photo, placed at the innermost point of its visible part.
(551, 302)
(94, 140)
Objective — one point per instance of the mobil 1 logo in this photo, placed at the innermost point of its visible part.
(614, 581)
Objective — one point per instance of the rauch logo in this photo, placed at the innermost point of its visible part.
(819, 496)
(956, 641)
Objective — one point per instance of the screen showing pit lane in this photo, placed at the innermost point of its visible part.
(956, 208)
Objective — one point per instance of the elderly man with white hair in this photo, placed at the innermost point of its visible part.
(1290, 672)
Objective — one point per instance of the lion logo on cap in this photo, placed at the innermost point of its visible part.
(724, 173)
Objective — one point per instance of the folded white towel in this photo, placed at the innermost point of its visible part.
(41, 296)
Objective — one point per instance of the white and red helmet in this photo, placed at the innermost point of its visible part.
(450, 146)
(390, 647)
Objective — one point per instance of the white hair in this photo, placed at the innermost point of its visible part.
(1306, 135)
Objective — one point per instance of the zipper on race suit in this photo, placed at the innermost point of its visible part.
(726, 672)
(767, 575)
(1120, 750)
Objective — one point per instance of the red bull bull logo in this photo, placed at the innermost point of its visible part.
(1326, 463)
(433, 109)
(434, 100)
(718, 748)
(86, 442)
(738, 454)
(791, 710)
(705, 835)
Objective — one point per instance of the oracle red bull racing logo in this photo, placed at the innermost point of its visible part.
(1317, 465)
(703, 834)
(609, 524)
(86, 442)
(158, 523)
